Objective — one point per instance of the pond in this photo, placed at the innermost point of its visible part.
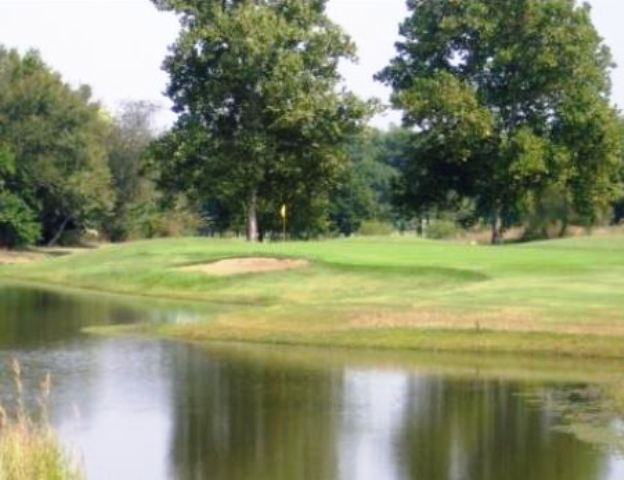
(150, 409)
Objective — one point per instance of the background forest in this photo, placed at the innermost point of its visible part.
(507, 131)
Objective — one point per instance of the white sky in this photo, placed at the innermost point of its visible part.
(117, 46)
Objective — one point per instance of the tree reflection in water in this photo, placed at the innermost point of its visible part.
(243, 419)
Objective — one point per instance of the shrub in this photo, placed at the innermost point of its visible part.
(18, 225)
(375, 228)
(443, 229)
(148, 220)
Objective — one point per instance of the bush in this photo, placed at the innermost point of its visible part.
(552, 215)
(18, 225)
(371, 228)
(443, 229)
(148, 220)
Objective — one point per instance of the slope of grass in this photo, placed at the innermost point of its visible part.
(564, 296)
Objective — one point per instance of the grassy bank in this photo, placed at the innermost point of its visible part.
(561, 297)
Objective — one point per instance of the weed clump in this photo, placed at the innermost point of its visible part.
(29, 447)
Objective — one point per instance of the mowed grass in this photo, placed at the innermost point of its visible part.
(561, 297)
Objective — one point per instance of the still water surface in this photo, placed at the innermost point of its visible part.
(142, 409)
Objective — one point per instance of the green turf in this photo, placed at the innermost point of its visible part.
(564, 296)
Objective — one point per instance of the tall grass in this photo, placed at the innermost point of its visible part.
(29, 448)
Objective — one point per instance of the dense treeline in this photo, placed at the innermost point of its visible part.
(53, 170)
(67, 169)
(506, 122)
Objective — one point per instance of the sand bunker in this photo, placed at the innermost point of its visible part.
(236, 266)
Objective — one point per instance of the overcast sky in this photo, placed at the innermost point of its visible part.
(117, 46)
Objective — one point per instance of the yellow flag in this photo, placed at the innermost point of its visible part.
(283, 211)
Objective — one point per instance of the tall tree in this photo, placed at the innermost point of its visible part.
(130, 136)
(55, 135)
(507, 98)
(262, 121)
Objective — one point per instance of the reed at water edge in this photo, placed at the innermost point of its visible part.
(29, 447)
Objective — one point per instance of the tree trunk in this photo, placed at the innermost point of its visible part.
(252, 217)
(497, 227)
(563, 231)
(58, 234)
(565, 221)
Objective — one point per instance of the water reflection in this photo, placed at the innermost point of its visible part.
(486, 430)
(374, 409)
(262, 421)
(33, 318)
(141, 409)
(243, 421)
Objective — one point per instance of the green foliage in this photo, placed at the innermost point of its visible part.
(508, 99)
(56, 138)
(140, 211)
(552, 212)
(350, 203)
(443, 229)
(18, 223)
(375, 228)
(154, 220)
(366, 189)
(130, 135)
(262, 122)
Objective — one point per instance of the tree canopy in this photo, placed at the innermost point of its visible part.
(262, 119)
(506, 115)
(507, 99)
(53, 171)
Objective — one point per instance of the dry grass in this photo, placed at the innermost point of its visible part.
(36, 254)
(507, 319)
(483, 236)
(29, 448)
(14, 257)
(503, 320)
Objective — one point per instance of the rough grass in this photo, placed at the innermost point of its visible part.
(564, 297)
(34, 453)
(29, 448)
(10, 257)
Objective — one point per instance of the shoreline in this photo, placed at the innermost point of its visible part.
(509, 300)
